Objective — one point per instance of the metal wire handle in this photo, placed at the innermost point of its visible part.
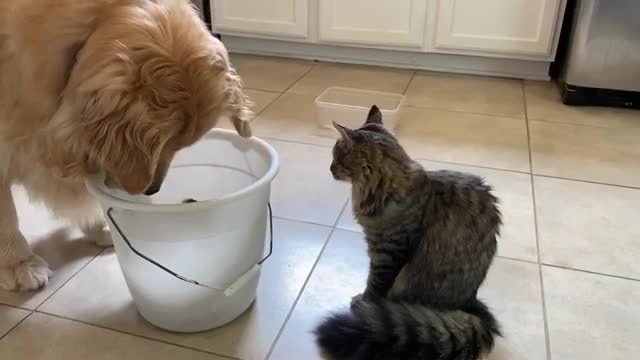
(175, 274)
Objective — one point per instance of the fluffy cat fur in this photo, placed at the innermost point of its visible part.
(431, 238)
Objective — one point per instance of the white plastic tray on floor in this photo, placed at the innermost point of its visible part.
(349, 107)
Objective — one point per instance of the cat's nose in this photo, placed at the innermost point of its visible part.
(332, 168)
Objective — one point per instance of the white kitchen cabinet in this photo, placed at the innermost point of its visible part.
(270, 17)
(511, 27)
(377, 22)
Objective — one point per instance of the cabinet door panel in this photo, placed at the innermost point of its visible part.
(274, 17)
(382, 22)
(503, 26)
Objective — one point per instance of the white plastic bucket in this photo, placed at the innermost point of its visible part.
(195, 266)
(349, 107)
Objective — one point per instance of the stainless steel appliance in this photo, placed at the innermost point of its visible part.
(603, 58)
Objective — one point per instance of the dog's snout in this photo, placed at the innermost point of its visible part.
(153, 189)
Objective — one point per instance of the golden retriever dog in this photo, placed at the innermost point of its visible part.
(100, 86)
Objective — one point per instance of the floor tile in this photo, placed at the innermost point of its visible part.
(9, 317)
(65, 249)
(518, 239)
(304, 189)
(512, 290)
(589, 226)
(475, 94)
(586, 153)
(269, 73)
(98, 295)
(374, 78)
(591, 317)
(292, 117)
(261, 99)
(347, 220)
(340, 274)
(465, 138)
(544, 103)
(44, 337)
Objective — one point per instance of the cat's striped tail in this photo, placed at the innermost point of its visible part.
(397, 331)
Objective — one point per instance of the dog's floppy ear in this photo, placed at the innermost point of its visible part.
(106, 131)
(125, 143)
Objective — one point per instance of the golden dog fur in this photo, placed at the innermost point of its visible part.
(112, 86)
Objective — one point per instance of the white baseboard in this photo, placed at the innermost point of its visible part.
(521, 69)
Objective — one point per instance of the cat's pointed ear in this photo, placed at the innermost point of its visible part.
(375, 116)
(345, 133)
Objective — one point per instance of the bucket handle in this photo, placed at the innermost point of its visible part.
(229, 290)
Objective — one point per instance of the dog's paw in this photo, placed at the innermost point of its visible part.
(31, 273)
(103, 238)
(99, 233)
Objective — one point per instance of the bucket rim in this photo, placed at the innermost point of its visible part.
(109, 200)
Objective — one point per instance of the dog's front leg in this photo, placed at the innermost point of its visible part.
(20, 268)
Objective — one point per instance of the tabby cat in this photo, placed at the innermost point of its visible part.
(431, 238)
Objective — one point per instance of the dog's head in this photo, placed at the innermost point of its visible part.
(147, 82)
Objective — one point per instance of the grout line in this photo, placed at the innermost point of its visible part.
(471, 165)
(306, 281)
(537, 235)
(263, 90)
(524, 101)
(135, 335)
(532, 173)
(413, 76)
(281, 93)
(302, 221)
(510, 258)
(266, 106)
(296, 142)
(311, 68)
(344, 208)
(547, 121)
(587, 181)
(506, 117)
(15, 326)
(70, 278)
(14, 306)
(590, 272)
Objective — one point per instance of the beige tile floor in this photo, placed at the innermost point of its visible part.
(565, 286)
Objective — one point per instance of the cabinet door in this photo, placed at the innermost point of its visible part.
(502, 26)
(382, 22)
(271, 17)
